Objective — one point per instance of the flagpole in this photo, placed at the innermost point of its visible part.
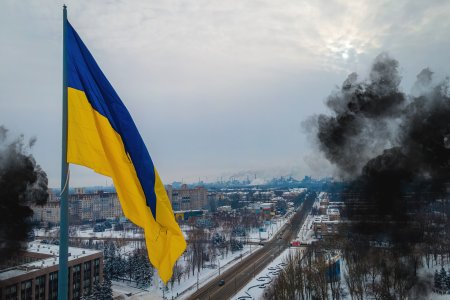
(64, 214)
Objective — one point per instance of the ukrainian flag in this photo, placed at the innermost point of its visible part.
(101, 135)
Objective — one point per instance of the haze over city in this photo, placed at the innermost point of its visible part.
(216, 88)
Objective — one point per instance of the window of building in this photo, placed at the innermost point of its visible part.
(53, 286)
(87, 277)
(69, 272)
(97, 270)
(11, 292)
(76, 282)
(26, 290)
(39, 288)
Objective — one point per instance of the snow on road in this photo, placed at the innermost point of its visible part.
(255, 288)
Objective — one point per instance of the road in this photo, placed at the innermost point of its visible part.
(239, 275)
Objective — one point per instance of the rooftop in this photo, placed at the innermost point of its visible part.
(52, 252)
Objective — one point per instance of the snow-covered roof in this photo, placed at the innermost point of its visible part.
(52, 253)
(297, 190)
(324, 219)
(333, 211)
(53, 250)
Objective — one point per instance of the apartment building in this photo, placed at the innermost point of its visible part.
(94, 206)
(48, 213)
(35, 273)
(186, 198)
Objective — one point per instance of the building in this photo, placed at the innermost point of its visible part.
(263, 195)
(333, 214)
(48, 213)
(94, 206)
(292, 194)
(322, 226)
(83, 207)
(265, 210)
(187, 214)
(225, 208)
(213, 200)
(34, 274)
(186, 198)
(329, 218)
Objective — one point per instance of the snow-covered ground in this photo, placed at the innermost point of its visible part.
(427, 274)
(88, 233)
(255, 288)
(188, 286)
(109, 233)
(306, 232)
(270, 229)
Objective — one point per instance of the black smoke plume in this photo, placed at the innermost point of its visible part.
(394, 147)
(22, 183)
(360, 126)
(394, 150)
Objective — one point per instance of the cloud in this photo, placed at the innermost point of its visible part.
(205, 78)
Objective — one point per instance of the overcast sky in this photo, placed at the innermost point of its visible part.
(216, 88)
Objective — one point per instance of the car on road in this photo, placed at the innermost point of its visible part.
(221, 282)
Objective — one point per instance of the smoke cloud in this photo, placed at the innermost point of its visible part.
(361, 125)
(394, 148)
(22, 182)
